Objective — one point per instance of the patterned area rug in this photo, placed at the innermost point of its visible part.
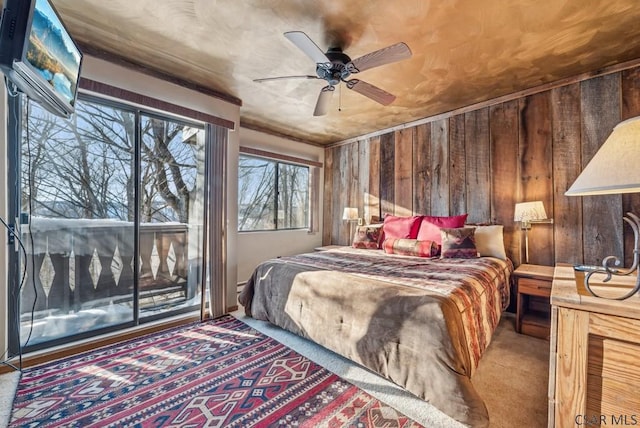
(221, 373)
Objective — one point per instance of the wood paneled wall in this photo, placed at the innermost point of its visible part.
(485, 161)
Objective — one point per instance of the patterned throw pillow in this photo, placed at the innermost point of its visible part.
(367, 237)
(410, 247)
(430, 226)
(458, 243)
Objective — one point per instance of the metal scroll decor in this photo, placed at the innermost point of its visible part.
(610, 264)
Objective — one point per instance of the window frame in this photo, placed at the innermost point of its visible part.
(15, 130)
(277, 161)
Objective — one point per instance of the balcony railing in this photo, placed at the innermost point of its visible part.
(84, 265)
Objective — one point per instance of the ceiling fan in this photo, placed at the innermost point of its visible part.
(335, 66)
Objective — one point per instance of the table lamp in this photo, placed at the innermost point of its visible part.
(614, 170)
(527, 213)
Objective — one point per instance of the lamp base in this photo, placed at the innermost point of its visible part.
(626, 285)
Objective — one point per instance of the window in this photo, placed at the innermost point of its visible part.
(272, 195)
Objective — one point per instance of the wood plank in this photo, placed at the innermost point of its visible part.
(457, 165)
(619, 328)
(613, 397)
(337, 196)
(403, 169)
(602, 220)
(421, 170)
(613, 357)
(505, 177)
(363, 178)
(536, 169)
(352, 188)
(440, 167)
(328, 209)
(372, 197)
(387, 174)
(478, 166)
(553, 349)
(630, 108)
(565, 113)
(571, 363)
(613, 382)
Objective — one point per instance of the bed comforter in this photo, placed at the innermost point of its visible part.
(422, 323)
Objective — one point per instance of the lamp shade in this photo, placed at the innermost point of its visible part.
(614, 168)
(530, 211)
(350, 214)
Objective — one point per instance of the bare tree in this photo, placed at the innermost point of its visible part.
(84, 167)
(257, 190)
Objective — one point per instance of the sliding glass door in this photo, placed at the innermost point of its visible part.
(112, 205)
(171, 211)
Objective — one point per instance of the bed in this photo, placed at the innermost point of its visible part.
(421, 322)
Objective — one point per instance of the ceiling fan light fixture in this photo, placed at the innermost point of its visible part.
(335, 66)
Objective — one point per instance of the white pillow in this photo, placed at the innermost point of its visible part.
(490, 241)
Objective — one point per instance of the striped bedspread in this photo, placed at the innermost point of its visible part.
(423, 323)
(479, 288)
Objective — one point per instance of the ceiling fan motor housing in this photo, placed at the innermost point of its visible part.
(338, 70)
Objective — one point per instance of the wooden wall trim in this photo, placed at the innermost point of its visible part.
(258, 128)
(278, 156)
(145, 69)
(505, 98)
(144, 100)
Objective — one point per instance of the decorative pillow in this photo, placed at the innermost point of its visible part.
(367, 236)
(490, 241)
(410, 247)
(458, 243)
(430, 226)
(401, 227)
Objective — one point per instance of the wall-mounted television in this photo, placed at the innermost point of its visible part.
(38, 54)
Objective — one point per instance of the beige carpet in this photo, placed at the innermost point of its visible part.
(512, 378)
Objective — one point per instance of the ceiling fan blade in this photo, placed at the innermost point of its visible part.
(306, 76)
(383, 56)
(306, 45)
(368, 90)
(324, 99)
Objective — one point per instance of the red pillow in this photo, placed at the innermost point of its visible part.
(401, 227)
(431, 225)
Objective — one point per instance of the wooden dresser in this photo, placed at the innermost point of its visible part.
(594, 371)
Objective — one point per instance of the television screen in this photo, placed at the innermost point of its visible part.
(39, 55)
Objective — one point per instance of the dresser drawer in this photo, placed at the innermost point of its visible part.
(534, 287)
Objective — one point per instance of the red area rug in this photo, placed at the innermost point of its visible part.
(220, 373)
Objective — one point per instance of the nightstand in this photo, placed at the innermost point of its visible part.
(533, 308)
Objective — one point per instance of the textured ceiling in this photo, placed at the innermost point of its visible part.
(464, 51)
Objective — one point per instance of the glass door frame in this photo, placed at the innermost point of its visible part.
(14, 142)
